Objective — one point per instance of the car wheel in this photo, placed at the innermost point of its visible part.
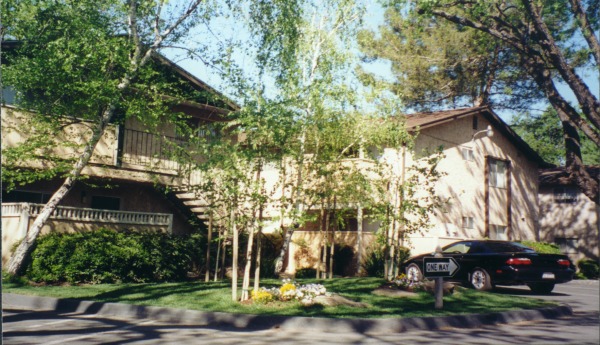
(413, 272)
(480, 280)
(541, 288)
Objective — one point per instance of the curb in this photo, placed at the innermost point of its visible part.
(262, 322)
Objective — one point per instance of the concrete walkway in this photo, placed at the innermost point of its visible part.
(262, 322)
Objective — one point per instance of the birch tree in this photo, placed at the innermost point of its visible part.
(310, 80)
(82, 59)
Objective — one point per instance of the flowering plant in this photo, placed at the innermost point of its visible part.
(289, 291)
(405, 283)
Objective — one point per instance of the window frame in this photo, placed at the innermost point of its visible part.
(496, 175)
(494, 232)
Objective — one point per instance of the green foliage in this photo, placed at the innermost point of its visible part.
(108, 256)
(373, 264)
(436, 64)
(542, 247)
(306, 273)
(545, 135)
(589, 268)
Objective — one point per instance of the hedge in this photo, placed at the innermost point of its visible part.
(108, 256)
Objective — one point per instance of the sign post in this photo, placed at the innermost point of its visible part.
(439, 267)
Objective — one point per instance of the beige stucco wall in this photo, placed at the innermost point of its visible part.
(16, 129)
(579, 220)
(306, 246)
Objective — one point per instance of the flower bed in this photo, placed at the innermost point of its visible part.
(404, 283)
(289, 291)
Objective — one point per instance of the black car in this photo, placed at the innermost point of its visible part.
(485, 264)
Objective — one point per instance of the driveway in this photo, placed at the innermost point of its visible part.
(49, 327)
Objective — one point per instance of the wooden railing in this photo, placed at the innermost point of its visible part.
(150, 150)
(90, 215)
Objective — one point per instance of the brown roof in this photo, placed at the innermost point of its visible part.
(559, 175)
(430, 119)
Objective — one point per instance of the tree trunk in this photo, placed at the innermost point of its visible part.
(325, 241)
(250, 247)
(219, 245)
(387, 244)
(332, 244)
(208, 243)
(571, 122)
(258, 249)
(16, 261)
(246, 279)
(235, 253)
(298, 205)
(359, 239)
(321, 245)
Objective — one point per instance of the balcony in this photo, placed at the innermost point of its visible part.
(18, 217)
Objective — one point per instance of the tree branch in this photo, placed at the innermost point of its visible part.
(586, 29)
(588, 102)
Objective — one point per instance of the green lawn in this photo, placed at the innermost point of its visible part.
(217, 297)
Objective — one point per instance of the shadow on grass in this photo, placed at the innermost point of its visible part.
(216, 296)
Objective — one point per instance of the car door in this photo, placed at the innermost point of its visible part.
(458, 251)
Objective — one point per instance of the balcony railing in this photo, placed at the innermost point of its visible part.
(150, 150)
(90, 215)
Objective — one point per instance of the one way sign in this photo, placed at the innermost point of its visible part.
(439, 267)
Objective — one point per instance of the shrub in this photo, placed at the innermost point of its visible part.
(542, 247)
(374, 262)
(304, 273)
(108, 256)
(589, 268)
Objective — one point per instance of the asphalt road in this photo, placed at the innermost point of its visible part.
(42, 327)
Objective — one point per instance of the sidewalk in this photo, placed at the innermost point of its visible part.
(263, 322)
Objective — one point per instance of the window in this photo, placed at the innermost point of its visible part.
(498, 232)
(565, 195)
(106, 203)
(566, 245)
(25, 196)
(458, 248)
(467, 222)
(9, 95)
(498, 173)
(467, 154)
(208, 131)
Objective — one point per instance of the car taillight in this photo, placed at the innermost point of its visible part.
(564, 263)
(518, 261)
